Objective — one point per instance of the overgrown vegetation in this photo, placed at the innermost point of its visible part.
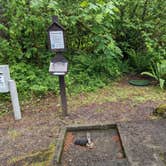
(105, 39)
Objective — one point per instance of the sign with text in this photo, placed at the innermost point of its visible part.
(57, 40)
(4, 78)
(58, 65)
(2, 81)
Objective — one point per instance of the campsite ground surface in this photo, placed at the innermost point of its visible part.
(31, 141)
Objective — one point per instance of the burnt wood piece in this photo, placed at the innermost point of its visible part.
(81, 142)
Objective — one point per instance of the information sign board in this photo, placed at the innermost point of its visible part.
(57, 40)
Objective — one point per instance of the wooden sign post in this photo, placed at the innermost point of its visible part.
(58, 65)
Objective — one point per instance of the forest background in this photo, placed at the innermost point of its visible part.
(105, 40)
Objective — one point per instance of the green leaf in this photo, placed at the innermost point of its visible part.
(2, 27)
(149, 74)
(162, 82)
(99, 18)
(84, 4)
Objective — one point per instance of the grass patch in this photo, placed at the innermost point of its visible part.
(112, 93)
(13, 134)
(115, 93)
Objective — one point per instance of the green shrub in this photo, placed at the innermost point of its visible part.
(31, 79)
(139, 61)
(93, 55)
(139, 30)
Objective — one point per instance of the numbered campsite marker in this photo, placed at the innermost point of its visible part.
(6, 85)
(4, 77)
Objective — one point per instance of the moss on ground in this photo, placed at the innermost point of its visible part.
(163, 157)
(14, 134)
(160, 111)
(41, 158)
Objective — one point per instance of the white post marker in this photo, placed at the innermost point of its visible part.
(6, 85)
(14, 98)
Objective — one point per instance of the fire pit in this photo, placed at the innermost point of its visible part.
(101, 146)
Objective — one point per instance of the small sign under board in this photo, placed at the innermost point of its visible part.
(58, 68)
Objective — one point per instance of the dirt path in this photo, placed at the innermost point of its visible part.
(42, 119)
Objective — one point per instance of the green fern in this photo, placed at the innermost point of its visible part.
(158, 72)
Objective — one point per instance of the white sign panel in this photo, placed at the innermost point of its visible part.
(58, 67)
(4, 78)
(57, 39)
(7, 85)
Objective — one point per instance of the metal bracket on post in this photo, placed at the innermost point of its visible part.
(14, 98)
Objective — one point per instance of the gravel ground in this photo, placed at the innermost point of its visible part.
(42, 119)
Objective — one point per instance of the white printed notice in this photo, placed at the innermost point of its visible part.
(57, 40)
(2, 82)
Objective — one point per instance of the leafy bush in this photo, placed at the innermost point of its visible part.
(23, 26)
(92, 53)
(31, 79)
(90, 40)
(140, 32)
(138, 61)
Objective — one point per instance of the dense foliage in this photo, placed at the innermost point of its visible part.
(140, 31)
(104, 38)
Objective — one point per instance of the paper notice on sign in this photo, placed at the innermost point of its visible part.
(2, 82)
(57, 40)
